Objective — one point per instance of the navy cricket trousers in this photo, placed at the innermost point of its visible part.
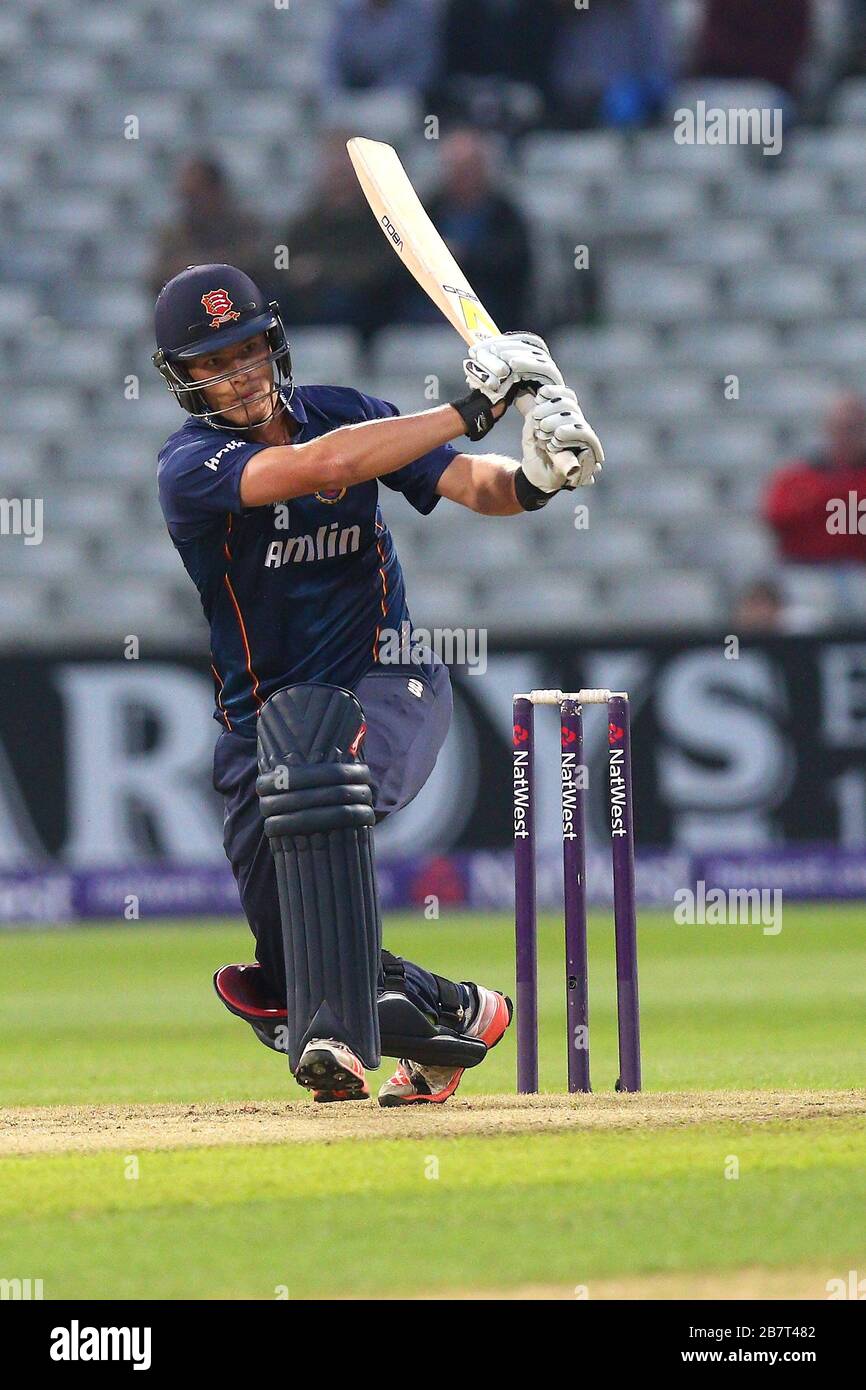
(407, 714)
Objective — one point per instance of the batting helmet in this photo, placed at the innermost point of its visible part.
(203, 309)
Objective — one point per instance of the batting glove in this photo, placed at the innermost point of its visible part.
(499, 364)
(561, 433)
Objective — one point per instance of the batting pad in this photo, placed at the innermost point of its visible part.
(317, 803)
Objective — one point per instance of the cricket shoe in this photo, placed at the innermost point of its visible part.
(331, 1071)
(413, 1084)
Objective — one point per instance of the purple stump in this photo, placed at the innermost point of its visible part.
(524, 897)
(624, 912)
(573, 776)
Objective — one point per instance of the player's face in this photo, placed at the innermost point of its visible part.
(245, 396)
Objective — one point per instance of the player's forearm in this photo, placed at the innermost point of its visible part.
(482, 482)
(357, 453)
(494, 493)
(347, 456)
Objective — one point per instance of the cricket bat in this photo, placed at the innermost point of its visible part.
(404, 221)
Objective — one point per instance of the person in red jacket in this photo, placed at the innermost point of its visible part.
(817, 506)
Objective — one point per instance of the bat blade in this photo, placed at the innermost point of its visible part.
(405, 223)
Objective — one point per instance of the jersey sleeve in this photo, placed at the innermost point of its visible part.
(199, 481)
(417, 480)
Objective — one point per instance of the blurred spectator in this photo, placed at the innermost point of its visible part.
(763, 609)
(485, 232)
(759, 608)
(497, 38)
(209, 226)
(853, 62)
(339, 264)
(383, 43)
(609, 64)
(812, 504)
(763, 40)
(495, 55)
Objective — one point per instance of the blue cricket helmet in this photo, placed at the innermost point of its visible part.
(206, 308)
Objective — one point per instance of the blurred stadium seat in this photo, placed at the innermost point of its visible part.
(782, 293)
(27, 610)
(840, 344)
(656, 293)
(655, 599)
(721, 244)
(555, 156)
(391, 115)
(722, 346)
(704, 262)
(571, 604)
(848, 104)
(730, 443)
(782, 195)
(607, 348)
(325, 355)
(418, 353)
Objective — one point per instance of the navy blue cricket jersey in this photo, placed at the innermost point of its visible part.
(293, 591)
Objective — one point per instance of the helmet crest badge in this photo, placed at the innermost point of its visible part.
(219, 306)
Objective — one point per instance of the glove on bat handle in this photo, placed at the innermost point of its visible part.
(524, 402)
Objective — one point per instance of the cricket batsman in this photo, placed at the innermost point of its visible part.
(270, 493)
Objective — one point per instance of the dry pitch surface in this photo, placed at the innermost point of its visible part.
(175, 1233)
(89, 1128)
(624, 1196)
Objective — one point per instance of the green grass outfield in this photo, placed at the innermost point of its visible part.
(121, 1015)
(128, 1012)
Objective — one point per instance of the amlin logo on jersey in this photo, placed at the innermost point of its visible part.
(326, 543)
